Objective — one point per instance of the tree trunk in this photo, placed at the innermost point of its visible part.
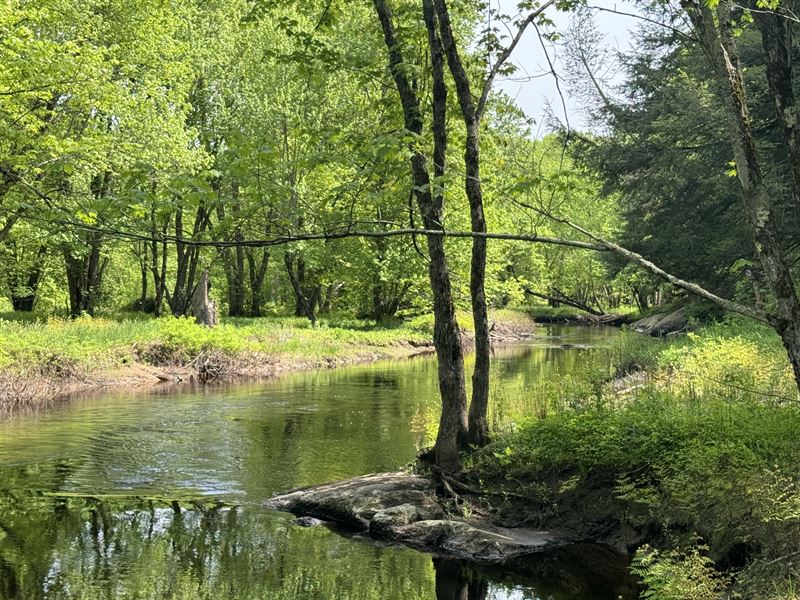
(776, 37)
(447, 341)
(143, 270)
(258, 273)
(188, 258)
(233, 258)
(24, 299)
(233, 261)
(720, 44)
(159, 268)
(478, 410)
(303, 304)
(203, 308)
(84, 275)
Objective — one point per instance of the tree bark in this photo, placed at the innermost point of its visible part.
(304, 305)
(720, 44)
(776, 37)
(188, 258)
(158, 267)
(84, 275)
(447, 341)
(144, 275)
(478, 423)
(258, 274)
(203, 308)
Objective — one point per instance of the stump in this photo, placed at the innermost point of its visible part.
(203, 308)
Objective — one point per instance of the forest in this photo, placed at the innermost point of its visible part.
(199, 195)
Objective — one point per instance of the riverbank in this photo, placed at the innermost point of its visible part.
(683, 454)
(45, 361)
(687, 458)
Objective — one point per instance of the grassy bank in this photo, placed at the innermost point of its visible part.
(694, 466)
(43, 359)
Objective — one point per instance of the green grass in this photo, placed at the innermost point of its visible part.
(703, 459)
(96, 343)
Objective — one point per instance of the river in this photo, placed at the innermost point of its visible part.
(159, 495)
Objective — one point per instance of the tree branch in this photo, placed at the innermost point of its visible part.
(504, 56)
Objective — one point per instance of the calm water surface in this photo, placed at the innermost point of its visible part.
(159, 495)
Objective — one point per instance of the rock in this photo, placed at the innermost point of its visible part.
(355, 502)
(403, 508)
(385, 521)
(308, 521)
(477, 541)
(662, 323)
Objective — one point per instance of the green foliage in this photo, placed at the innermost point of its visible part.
(96, 344)
(706, 445)
(675, 575)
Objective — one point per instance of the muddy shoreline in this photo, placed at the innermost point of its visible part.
(20, 392)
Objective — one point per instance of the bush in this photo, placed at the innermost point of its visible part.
(707, 447)
(676, 575)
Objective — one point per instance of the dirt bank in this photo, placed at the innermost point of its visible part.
(23, 388)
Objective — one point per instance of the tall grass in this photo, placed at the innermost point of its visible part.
(701, 457)
(101, 343)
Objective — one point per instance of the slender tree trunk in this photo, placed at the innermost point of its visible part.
(158, 266)
(233, 259)
(258, 274)
(303, 303)
(143, 270)
(449, 352)
(478, 410)
(720, 44)
(479, 407)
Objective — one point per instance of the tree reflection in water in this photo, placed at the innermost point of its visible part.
(58, 547)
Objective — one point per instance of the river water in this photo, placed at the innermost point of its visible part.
(158, 495)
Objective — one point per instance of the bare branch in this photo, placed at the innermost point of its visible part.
(504, 56)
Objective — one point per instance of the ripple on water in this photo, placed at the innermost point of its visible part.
(157, 496)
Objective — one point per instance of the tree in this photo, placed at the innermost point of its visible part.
(715, 30)
(430, 199)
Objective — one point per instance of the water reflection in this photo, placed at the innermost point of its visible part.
(584, 571)
(61, 547)
(158, 496)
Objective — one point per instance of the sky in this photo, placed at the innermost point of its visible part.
(533, 86)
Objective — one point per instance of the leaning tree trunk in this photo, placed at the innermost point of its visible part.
(719, 41)
(446, 338)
